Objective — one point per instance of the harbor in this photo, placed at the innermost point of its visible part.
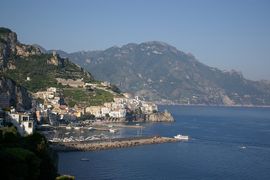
(110, 143)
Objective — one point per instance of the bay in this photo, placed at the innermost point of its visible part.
(226, 143)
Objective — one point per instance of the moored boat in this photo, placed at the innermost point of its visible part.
(112, 130)
(181, 137)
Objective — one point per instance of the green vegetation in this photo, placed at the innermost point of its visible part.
(43, 74)
(85, 97)
(25, 157)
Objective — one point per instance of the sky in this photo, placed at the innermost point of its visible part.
(227, 34)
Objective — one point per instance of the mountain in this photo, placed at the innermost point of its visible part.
(27, 68)
(160, 72)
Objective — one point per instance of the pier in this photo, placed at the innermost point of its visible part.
(110, 143)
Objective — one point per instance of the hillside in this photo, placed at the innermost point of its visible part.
(160, 72)
(36, 71)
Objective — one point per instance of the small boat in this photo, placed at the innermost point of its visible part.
(137, 124)
(90, 128)
(181, 137)
(243, 147)
(77, 128)
(68, 127)
(84, 159)
(112, 130)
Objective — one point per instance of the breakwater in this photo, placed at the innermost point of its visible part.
(110, 143)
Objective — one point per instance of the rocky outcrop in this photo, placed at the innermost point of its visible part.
(55, 60)
(160, 117)
(10, 47)
(12, 94)
(26, 50)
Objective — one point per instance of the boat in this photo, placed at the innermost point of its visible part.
(77, 128)
(137, 124)
(90, 128)
(68, 127)
(112, 130)
(243, 147)
(181, 137)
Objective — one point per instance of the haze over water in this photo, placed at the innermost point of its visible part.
(226, 143)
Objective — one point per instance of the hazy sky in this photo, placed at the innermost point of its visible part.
(228, 34)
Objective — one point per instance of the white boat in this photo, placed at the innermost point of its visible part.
(112, 130)
(68, 127)
(77, 128)
(90, 128)
(137, 124)
(181, 137)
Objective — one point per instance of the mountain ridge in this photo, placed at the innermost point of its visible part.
(160, 72)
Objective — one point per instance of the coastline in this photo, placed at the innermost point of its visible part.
(213, 105)
(110, 143)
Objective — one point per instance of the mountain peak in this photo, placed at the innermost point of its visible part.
(159, 43)
(158, 71)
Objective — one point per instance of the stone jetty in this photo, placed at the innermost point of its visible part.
(110, 143)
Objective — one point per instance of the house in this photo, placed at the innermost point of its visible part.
(23, 122)
(106, 83)
(52, 89)
(120, 113)
(94, 110)
(105, 111)
(148, 107)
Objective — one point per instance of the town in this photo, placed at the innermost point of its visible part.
(49, 108)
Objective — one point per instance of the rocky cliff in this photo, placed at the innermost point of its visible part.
(160, 117)
(11, 47)
(12, 94)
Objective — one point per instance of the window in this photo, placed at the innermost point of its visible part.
(25, 118)
(29, 125)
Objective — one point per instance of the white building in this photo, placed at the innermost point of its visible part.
(22, 122)
(148, 107)
(121, 113)
(94, 110)
(52, 89)
(105, 111)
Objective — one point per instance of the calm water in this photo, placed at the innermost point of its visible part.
(214, 152)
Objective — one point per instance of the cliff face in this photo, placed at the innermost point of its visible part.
(12, 94)
(11, 47)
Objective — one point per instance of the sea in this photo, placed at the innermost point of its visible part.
(225, 143)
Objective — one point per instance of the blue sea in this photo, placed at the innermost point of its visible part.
(226, 143)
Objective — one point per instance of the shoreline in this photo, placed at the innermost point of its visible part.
(213, 105)
(110, 143)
